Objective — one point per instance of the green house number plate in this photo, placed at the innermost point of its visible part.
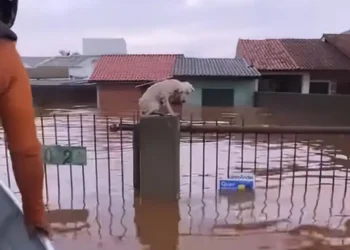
(64, 155)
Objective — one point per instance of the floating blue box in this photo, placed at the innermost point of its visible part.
(238, 182)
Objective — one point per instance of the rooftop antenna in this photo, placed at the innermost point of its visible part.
(64, 52)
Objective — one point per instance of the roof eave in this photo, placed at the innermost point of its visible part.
(220, 76)
(120, 80)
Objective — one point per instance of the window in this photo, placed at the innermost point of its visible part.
(280, 83)
(217, 97)
(318, 87)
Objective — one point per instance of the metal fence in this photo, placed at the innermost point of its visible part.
(209, 151)
(303, 170)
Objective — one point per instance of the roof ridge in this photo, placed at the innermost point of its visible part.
(211, 58)
(219, 67)
(143, 54)
(289, 55)
(279, 39)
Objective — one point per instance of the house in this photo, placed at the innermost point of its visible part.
(116, 78)
(52, 85)
(33, 61)
(306, 66)
(302, 76)
(80, 66)
(218, 82)
(224, 87)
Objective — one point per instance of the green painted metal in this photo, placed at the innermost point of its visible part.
(64, 155)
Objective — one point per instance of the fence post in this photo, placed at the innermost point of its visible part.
(159, 156)
(136, 159)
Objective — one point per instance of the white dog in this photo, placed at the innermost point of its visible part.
(161, 93)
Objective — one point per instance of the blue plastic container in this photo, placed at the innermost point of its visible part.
(238, 182)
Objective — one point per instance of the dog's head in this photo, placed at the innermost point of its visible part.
(184, 90)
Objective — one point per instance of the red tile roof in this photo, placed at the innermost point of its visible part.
(292, 54)
(143, 67)
(266, 54)
(314, 54)
(340, 41)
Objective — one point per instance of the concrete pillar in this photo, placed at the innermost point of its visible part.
(159, 157)
(256, 85)
(136, 158)
(98, 96)
(305, 83)
(332, 87)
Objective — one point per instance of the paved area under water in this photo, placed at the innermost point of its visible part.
(276, 219)
(93, 207)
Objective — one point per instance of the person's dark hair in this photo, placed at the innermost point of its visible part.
(8, 11)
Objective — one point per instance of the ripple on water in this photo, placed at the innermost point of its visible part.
(93, 206)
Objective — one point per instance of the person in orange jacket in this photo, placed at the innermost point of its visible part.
(18, 120)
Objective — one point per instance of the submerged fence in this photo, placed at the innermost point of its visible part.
(209, 151)
(301, 174)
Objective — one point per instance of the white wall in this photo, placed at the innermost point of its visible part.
(104, 46)
(85, 68)
(305, 83)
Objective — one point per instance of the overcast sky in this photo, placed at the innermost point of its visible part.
(193, 27)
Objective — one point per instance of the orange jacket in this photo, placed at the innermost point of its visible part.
(17, 115)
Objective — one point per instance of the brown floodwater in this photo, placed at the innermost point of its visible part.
(93, 206)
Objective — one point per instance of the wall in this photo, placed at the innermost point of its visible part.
(243, 100)
(300, 109)
(121, 99)
(118, 98)
(70, 95)
(85, 68)
(243, 90)
(339, 80)
(48, 72)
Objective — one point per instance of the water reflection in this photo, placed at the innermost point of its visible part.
(68, 220)
(296, 214)
(157, 223)
(301, 180)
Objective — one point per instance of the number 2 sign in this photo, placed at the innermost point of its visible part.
(64, 155)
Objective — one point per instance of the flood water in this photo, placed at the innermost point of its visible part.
(93, 206)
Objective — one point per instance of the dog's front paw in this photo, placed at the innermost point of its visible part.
(172, 114)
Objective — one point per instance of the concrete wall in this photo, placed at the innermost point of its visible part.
(121, 98)
(338, 80)
(118, 98)
(243, 90)
(48, 72)
(301, 109)
(75, 95)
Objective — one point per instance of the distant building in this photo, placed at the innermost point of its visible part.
(221, 83)
(52, 85)
(303, 81)
(104, 46)
(33, 61)
(80, 66)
